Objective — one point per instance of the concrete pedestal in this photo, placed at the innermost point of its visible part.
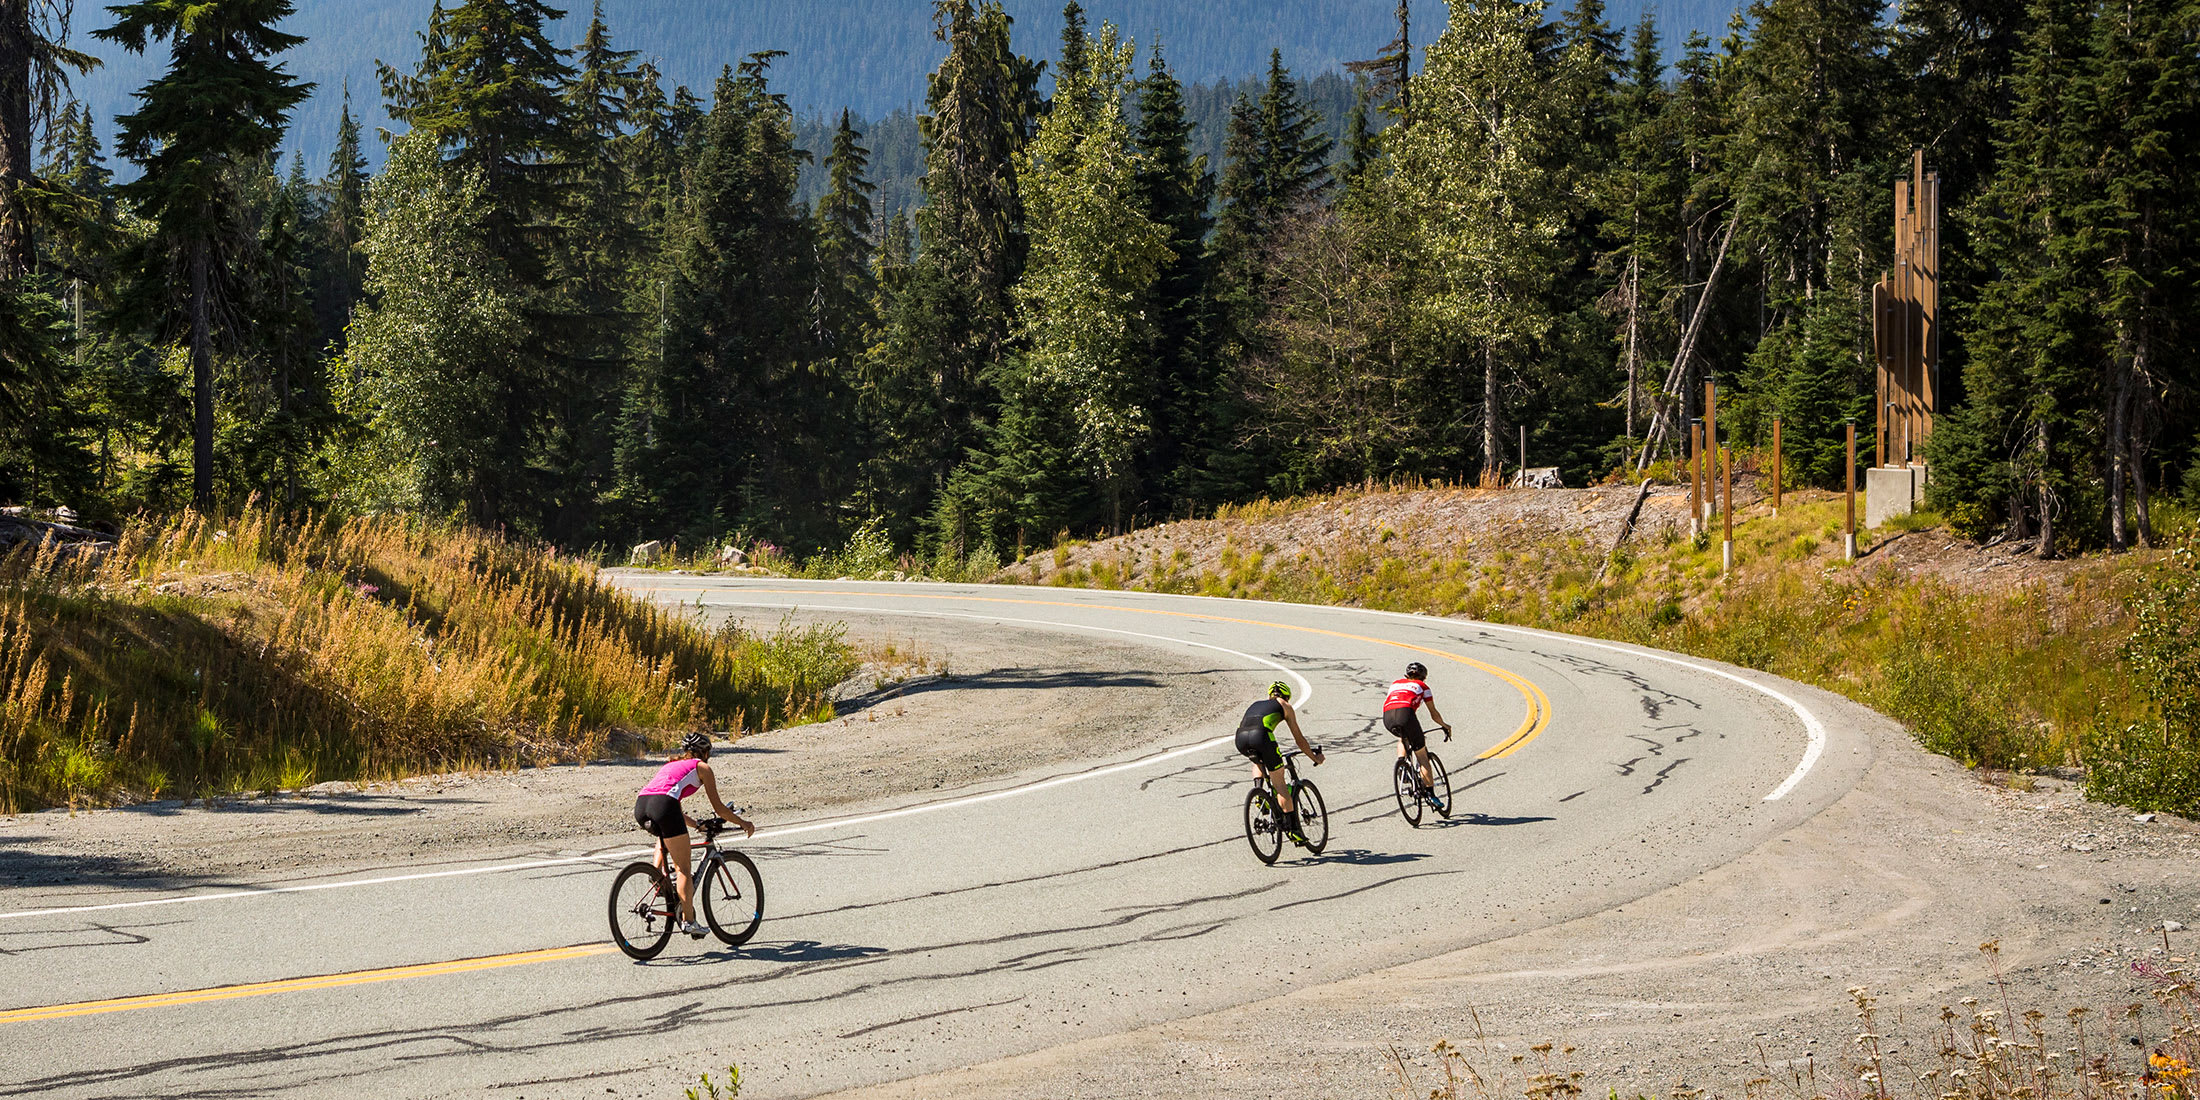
(1891, 491)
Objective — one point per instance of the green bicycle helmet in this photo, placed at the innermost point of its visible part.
(1279, 688)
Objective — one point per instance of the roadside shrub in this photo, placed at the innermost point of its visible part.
(2154, 763)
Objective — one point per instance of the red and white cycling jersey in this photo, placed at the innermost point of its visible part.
(1407, 693)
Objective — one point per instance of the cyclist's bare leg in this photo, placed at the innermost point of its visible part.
(1277, 783)
(680, 850)
(1420, 756)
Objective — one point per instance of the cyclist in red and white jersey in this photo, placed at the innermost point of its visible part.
(1401, 716)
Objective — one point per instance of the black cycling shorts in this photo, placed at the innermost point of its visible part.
(1260, 745)
(1405, 724)
(659, 816)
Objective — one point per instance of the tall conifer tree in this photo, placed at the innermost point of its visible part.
(219, 108)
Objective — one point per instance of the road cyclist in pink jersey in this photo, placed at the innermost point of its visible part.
(657, 811)
(1401, 716)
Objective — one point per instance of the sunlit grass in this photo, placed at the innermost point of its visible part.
(203, 657)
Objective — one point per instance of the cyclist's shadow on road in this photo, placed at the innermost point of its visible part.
(1361, 857)
(1471, 818)
(779, 951)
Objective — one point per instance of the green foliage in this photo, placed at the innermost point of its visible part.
(2154, 763)
(708, 1089)
(426, 358)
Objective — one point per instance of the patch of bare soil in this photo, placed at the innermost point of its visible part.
(903, 729)
(1483, 519)
(1739, 975)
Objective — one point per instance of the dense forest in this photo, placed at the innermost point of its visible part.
(583, 303)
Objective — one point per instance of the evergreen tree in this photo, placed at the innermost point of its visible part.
(490, 90)
(343, 271)
(2015, 449)
(927, 395)
(844, 249)
(34, 74)
(1075, 401)
(219, 108)
(2144, 209)
(1175, 190)
(728, 432)
(1472, 167)
(1809, 149)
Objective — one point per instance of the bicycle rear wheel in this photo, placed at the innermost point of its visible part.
(1262, 830)
(733, 898)
(1441, 785)
(644, 908)
(1313, 815)
(1407, 786)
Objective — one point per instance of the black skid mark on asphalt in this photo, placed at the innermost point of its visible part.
(1663, 773)
(116, 935)
(1571, 797)
(472, 1039)
(1203, 785)
(1657, 747)
(1627, 767)
(1377, 885)
(930, 1016)
(929, 895)
(845, 847)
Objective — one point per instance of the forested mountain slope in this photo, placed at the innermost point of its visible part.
(868, 55)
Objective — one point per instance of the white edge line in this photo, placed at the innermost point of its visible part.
(1306, 691)
(1813, 729)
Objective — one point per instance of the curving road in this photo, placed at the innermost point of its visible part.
(913, 936)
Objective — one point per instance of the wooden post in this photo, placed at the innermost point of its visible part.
(1776, 472)
(1726, 478)
(1695, 478)
(1850, 471)
(1711, 447)
(1523, 454)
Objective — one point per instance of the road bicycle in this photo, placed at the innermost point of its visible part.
(1264, 818)
(645, 898)
(1405, 781)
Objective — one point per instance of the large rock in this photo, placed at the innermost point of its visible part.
(1538, 477)
(647, 553)
(730, 555)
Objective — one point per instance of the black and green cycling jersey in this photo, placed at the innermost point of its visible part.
(1263, 715)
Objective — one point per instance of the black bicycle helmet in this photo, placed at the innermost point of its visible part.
(696, 744)
(1280, 689)
(1416, 671)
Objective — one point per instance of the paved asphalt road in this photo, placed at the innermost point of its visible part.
(913, 936)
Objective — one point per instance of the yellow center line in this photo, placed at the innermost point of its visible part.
(294, 985)
(1539, 705)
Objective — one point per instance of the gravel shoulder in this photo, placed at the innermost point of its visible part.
(1740, 974)
(957, 709)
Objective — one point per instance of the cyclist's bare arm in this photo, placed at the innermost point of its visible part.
(1439, 716)
(1291, 715)
(718, 805)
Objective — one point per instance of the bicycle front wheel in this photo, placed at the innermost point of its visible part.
(644, 908)
(1407, 786)
(1313, 815)
(1262, 830)
(733, 898)
(1440, 783)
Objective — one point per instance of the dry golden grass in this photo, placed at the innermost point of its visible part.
(201, 656)
(1978, 1049)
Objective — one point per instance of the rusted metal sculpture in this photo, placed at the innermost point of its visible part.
(1906, 321)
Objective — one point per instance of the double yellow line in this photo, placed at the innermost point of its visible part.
(1538, 717)
(1531, 725)
(293, 985)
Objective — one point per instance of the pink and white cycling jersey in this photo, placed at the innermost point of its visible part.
(678, 778)
(1407, 693)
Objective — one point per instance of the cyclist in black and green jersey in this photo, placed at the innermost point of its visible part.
(1256, 740)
